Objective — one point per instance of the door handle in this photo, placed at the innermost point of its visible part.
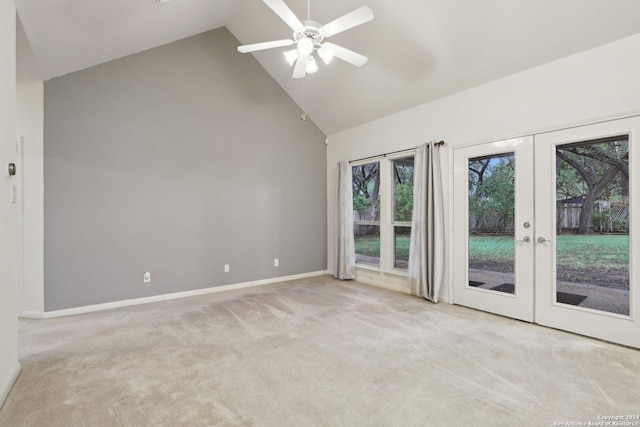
(525, 239)
(543, 240)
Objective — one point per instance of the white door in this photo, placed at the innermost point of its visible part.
(493, 227)
(588, 272)
(569, 259)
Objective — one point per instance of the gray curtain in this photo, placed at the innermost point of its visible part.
(344, 246)
(426, 250)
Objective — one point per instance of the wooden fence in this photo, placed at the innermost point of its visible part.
(568, 217)
(362, 229)
(605, 218)
(363, 216)
(490, 222)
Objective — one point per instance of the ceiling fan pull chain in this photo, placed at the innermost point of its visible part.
(308, 10)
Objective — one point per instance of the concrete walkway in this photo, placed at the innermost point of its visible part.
(598, 297)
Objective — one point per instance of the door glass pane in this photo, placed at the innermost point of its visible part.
(592, 227)
(491, 225)
(402, 237)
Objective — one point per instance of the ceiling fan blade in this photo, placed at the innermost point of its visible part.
(350, 20)
(347, 55)
(283, 11)
(266, 45)
(301, 64)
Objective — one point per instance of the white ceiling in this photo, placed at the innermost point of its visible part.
(419, 50)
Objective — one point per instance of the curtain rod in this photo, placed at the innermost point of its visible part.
(393, 152)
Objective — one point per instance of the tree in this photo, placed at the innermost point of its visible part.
(603, 168)
(403, 202)
(569, 184)
(366, 188)
(478, 167)
(492, 190)
(403, 195)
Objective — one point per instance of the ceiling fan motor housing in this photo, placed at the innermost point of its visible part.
(312, 30)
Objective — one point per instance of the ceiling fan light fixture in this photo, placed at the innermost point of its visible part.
(291, 56)
(305, 46)
(326, 54)
(310, 35)
(312, 65)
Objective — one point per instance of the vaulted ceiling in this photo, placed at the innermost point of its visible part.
(419, 50)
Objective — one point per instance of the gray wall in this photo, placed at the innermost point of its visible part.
(177, 160)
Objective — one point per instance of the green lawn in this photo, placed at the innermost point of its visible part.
(489, 248)
(595, 251)
(370, 246)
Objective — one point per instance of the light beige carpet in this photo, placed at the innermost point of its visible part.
(313, 352)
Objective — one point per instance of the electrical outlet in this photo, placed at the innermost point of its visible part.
(276, 262)
(146, 277)
(226, 268)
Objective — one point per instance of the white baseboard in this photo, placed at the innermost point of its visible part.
(31, 314)
(163, 297)
(6, 387)
(444, 299)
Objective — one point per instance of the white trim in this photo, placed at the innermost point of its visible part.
(20, 195)
(368, 267)
(401, 154)
(367, 160)
(6, 387)
(164, 297)
(379, 282)
(386, 231)
(396, 288)
(451, 252)
(388, 280)
(358, 222)
(556, 128)
(445, 299)
(31, 315)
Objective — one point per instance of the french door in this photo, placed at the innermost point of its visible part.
(493, 226)
(546, 229)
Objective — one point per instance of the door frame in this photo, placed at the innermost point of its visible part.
(598, 324)
(544, 309)
(519, 305)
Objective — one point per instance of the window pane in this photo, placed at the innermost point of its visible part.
(366, 192)
(367, 239)
(402, 239)
(403, 189)
(491, 231)
(592, 241)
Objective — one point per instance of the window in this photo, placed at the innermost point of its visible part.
(402, 170)
(382, 208)
(366, 213)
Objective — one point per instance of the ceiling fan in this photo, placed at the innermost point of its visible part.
(309, 36)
